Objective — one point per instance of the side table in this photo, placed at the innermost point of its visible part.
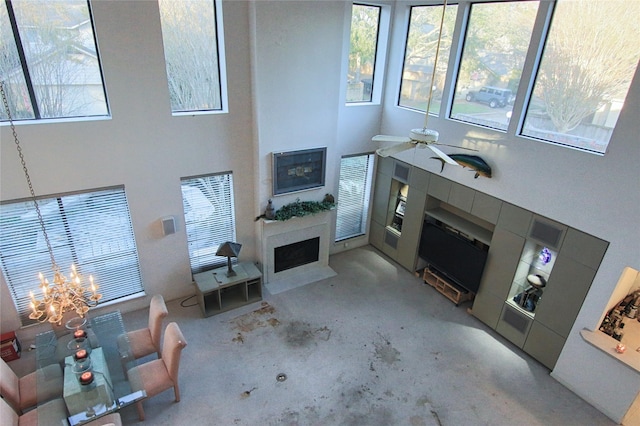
(218, 293)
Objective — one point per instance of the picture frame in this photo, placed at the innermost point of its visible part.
(298, 170)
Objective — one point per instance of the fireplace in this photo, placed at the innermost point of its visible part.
(305, 238)
(296, 254)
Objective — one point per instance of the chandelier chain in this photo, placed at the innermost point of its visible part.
(5, 101)
(435, 63)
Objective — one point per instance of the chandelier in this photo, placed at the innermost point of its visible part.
(64, 294)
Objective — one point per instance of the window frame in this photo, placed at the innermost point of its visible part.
(70, 244)
(452, 60)
(222, 68)
(37, 115)
(544, 23)
(381, 54)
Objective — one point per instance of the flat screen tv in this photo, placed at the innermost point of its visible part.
(452, 257)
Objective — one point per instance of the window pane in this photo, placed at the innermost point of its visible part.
(422, 39)
(589, 59)
(209, 218)
(191, 54)
(495, 49)
(353, 196)
(60, 52)
(90, 230)
(362, 54)
(11, 73)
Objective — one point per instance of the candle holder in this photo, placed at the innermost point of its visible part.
(79, 334)
(84, 373)
(86, 378)
(76, 323)
(76, 345)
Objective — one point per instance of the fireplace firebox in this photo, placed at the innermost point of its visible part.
(296, 254)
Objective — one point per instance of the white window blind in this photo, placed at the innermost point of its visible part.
(353, 195)
(91, 230)
(209, 218)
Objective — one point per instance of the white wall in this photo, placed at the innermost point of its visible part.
(285, 68)
(142, 146)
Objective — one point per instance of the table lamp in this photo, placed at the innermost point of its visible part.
(230, 250)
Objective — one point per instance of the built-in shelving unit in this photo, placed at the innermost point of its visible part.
(469, 229)
(397, 206)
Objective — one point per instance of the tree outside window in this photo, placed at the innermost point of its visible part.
(365, 22)
(190, 38)
(49, 61)
(589, 59)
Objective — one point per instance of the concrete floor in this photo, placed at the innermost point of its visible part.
(370, 346)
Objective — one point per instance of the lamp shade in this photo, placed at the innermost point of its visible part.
(229, 249)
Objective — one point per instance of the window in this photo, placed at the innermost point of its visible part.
(589, 59)
(194, 50)
(356, 174)
(91, 230)
(209, 218)
(420, 50)
(49, 60)
(495, 48)
(365, 23)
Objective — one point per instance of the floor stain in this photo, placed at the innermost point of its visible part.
(247, 393)
(301, 334)
(253, 320)
(435, 416)
(385, 352)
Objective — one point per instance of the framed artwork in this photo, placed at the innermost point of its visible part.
(298, 170)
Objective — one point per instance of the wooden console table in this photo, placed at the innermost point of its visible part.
(218, 293)
(448, 290)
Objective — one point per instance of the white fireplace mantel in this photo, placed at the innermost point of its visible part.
(275, 233)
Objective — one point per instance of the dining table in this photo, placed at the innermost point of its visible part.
(95, 356)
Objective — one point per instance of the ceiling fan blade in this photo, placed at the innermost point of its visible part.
(387, 138)
(385, 152)
(458, 147)
(442, 155)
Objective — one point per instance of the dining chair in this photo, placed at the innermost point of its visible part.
(146, 341)
(35, 388)
(52, 413)
(161, 374)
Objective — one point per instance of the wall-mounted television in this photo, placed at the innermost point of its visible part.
(298, 170)
(451, 256)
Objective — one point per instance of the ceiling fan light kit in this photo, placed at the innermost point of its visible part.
(424, 135)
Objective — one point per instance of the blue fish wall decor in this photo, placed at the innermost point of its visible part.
(473, 162)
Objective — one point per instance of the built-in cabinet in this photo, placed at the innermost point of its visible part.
(525, 245)
(537, 272)
(399, 203)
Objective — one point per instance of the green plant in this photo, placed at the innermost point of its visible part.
(302, 208)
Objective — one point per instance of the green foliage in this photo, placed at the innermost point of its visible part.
(302, 208)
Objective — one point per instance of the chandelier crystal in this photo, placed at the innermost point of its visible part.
(65, 294)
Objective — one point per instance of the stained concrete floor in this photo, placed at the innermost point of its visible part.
(371, 346)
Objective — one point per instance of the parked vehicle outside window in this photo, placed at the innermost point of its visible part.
(493, 96)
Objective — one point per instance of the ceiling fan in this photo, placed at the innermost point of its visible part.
(424, 137)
